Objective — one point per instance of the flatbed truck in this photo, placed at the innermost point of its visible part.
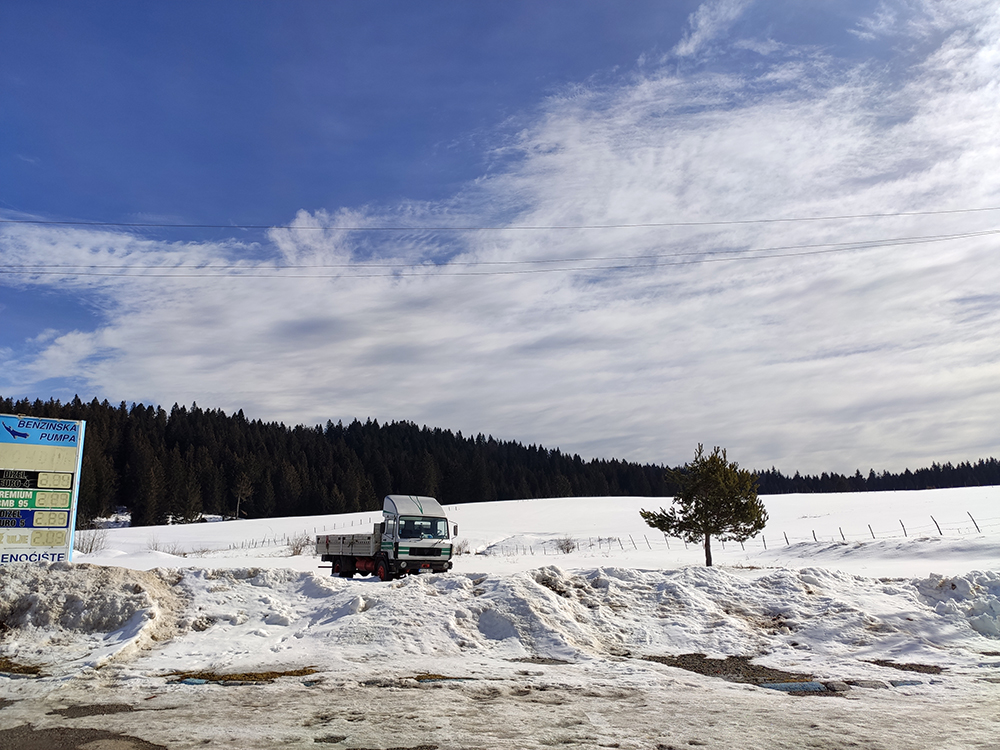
(413, 537)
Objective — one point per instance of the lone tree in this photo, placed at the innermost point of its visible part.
(716, 499)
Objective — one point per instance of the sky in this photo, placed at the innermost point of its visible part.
(620, 230)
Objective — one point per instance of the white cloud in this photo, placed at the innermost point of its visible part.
(709, 22)
(883, 357)
(881, 23)
(762, 47)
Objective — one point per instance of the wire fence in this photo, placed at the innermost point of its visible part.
(359, 525)
(771, 538)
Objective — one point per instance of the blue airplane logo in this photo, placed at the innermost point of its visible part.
(15, 434)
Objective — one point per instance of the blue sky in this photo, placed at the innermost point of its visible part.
(811, 345)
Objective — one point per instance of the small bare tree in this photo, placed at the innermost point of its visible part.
(566, 545)
(298, 543)
(88, 541)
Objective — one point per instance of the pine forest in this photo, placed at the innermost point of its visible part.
(176, 466)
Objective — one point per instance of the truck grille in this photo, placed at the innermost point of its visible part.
(425, 552)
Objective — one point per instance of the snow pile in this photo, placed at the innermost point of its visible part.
(83, 613)
(814, 620)
(975, 596)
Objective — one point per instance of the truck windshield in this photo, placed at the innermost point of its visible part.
(421, 527)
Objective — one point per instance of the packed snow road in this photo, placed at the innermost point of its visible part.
(264, 658)
(600, 705)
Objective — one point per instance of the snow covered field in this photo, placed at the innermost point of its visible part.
(522, 646)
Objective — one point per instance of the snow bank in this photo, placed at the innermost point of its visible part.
(828, 623)
(975, 596)
(83, 613)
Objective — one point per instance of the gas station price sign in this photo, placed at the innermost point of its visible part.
(40, 463)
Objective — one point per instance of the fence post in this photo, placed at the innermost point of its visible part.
(904, 528)
(974, 523)
(786, 538)
(842, 534)
(764, 539)
(632, 540)
(938, 527)
(814, 535)
(870, 529)
(647, 541)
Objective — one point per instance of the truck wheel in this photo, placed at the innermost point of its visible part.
(338, 568)
(382, 571)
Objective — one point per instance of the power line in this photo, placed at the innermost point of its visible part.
(852, 245)
(729, 255)
(482, 228)
(394, 270)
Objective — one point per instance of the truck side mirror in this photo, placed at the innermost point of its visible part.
(455, 530)
(381, 528)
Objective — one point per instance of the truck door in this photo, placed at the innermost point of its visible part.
(391, 535)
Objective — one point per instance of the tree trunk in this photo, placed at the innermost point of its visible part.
(708, 551)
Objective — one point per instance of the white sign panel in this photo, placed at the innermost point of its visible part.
(39, 480)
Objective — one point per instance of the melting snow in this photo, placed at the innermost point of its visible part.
(523, 648)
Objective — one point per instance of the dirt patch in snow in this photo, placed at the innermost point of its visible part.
(95, 709)
(239, 677)
(921, 668)
(12, 667)
(732, 668)
(541, 660)
(63, 738)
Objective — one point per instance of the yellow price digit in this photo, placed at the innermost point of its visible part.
(48, 481)
(52, 500)
(48, 538)
(50, 518)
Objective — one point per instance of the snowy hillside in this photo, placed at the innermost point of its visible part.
(215, 633)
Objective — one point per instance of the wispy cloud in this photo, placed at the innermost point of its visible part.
(708, 23)
(778, 340)
(881, 23)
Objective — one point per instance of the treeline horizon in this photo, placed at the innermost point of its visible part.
(175, 466)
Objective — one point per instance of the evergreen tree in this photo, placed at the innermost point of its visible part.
(716, 499)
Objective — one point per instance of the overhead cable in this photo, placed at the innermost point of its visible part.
(509, 227)
(394, 270)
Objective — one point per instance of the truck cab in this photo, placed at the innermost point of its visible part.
(415, 534)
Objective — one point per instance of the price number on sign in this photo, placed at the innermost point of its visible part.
(51, 518)
(47, 481)
(48, 538)
(52, 500)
